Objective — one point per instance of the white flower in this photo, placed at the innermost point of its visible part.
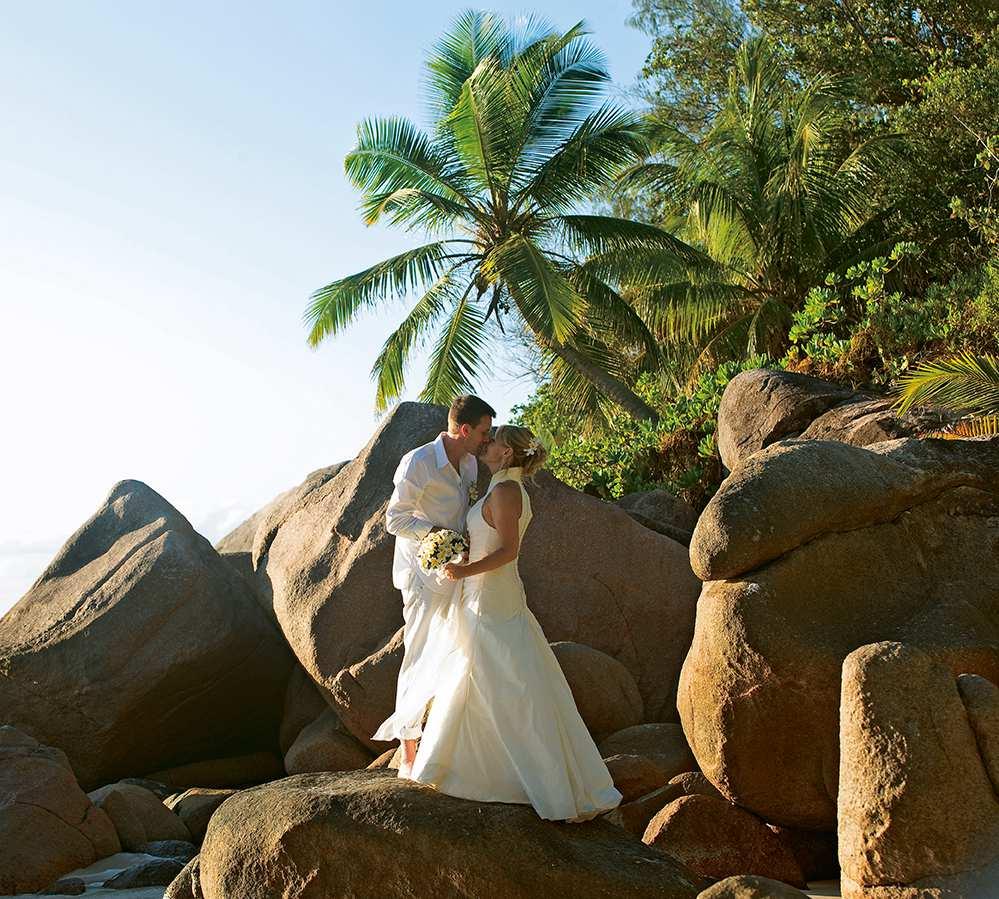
(533, 447)
(439, 548)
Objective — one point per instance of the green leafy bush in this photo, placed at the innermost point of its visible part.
(677, 453)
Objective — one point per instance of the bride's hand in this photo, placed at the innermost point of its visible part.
(454, 572)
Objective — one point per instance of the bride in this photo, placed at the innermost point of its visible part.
(503, 726)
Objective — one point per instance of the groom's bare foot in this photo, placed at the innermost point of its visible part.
(408, 757)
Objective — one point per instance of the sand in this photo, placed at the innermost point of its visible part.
(105, 869)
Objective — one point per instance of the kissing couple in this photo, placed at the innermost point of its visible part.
(503, 726)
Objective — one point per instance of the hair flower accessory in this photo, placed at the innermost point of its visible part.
(533, 447)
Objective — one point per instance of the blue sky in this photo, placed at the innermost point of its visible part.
(172, 185)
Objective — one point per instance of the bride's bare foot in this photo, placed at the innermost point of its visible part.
(405, 770)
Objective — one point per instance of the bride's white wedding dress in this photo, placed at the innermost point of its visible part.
(503, 726)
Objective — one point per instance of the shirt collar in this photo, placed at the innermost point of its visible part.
(439, 452)
(440, 455)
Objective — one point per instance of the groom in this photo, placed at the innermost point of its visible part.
(431, 492)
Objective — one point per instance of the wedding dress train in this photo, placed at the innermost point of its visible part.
(503, 726)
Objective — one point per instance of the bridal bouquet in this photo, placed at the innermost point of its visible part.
(439, 548)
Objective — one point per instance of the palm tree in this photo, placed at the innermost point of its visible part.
(966, 383)
(774, 195)
(520, 139)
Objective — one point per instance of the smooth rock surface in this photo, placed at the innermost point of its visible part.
(131, 651)
(363, 695)
(816, 548)
(635, 775)
(157, 872)
(663, 743)
(603, 689)
(394, 838)
(748, 886)
(662, 512)
(235, 771)
(138, 816)
(325, 746)
(634, 816)
(918, 815)
(717, 839)
(761, 406)
(304, 701)
(48, 825)
(195, 808)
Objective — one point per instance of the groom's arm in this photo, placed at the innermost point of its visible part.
(402, 518)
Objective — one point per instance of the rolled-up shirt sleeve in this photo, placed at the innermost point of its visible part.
(401, 518)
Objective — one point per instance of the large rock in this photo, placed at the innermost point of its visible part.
(195, 808)
(187, 884)
(749, 886)
(811, 549)
(718, 839)
(663, 512)
(665, 744)
(233, 771)
(596, 577)
(325, 745)
(240, 539)
(635, 775)
(762, 406)
(48, 826)
(236, 547)
(325, 564)
(918, 813)
(604, 581)
(139, 648)
(153, 873)
(634, 816)
(367, 834)
(304, 701)
(139, 816)
(603, 689)
(363, 695)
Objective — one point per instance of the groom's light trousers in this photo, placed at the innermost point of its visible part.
(418, 609)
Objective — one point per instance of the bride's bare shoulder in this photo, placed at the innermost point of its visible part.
(508, 494)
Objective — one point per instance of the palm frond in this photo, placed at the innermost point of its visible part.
(389, 370)
(975, 426)
(333, 307)
(962, 383)
(608, 312)
(457, 354)
(416, 208)
(547, 301)
(392, 154)
(479, 126)
(604, 144)
(473, 37)
(594, 235)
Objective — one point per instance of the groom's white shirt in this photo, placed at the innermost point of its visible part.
(428, 493)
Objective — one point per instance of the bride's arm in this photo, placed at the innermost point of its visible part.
(505, 503)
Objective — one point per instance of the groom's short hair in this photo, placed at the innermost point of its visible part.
(468, 410)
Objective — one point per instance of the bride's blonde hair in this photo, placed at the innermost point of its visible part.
(528, 452)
